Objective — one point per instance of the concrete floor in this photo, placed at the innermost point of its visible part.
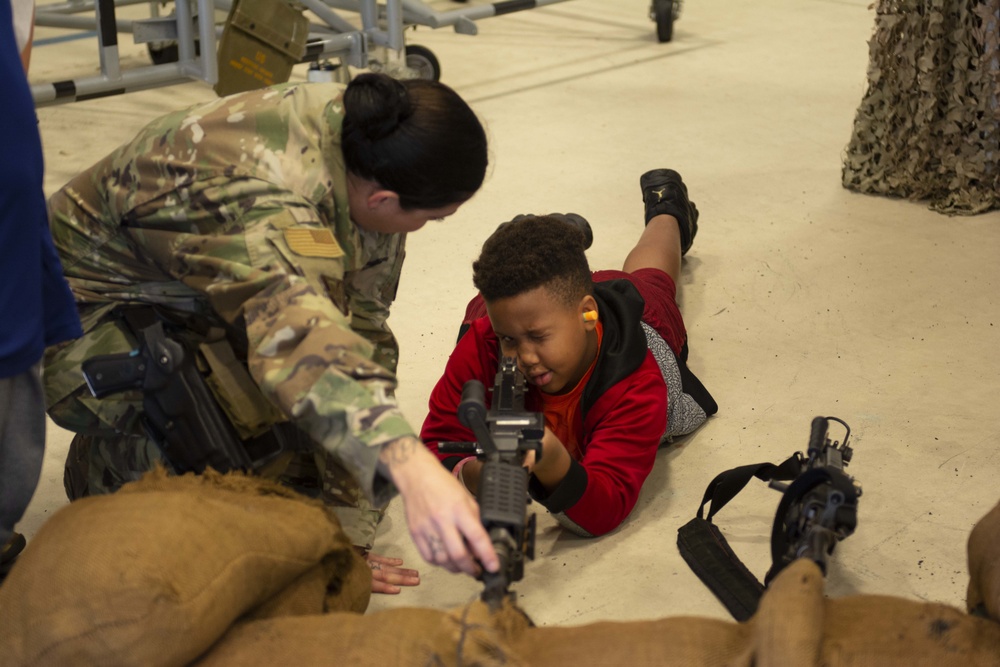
(801, 298)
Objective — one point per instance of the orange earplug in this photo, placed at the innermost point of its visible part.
(590, 316)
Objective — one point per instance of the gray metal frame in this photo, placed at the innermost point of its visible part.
(184, 27)
(382, 26)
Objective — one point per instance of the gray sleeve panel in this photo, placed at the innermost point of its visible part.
(570, 525)
(684, 415)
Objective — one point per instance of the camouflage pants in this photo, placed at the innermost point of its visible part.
(102, 464)
(112, 449)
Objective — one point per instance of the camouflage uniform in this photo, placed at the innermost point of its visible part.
(235, 213)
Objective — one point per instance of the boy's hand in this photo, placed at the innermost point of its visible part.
(442, 517)
(387, 576)
(554, 464)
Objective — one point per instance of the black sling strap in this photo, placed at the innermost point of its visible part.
(706, 550)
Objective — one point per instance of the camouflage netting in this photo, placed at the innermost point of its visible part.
(928, 127)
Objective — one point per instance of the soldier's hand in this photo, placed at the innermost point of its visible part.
(443, 518)
(387, 576)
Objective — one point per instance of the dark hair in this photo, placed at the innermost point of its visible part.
(533, 251)
(417, 138)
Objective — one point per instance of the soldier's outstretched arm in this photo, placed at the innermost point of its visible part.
(443, 518)
(282, 278)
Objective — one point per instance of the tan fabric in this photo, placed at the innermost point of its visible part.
(341, 582)
(155, 574)
(667, 642)
(229, 570)
(795, 626)
(398, 638)
(984, 564)
(788, 626)
(876, 631)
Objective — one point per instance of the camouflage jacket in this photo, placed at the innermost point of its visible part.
(237, 211)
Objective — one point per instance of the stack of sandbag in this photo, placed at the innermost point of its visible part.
(795, 626)
(156, 573)
(230, 571)
(471, 635)
(984, 565)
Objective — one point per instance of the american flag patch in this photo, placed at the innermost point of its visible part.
(313, 242)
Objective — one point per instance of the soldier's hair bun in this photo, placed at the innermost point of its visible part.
(416, 138)
(378, 104)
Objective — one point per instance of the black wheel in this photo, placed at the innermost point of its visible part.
(162, 53)
(663, 14)
(423, 61)
(168, 52)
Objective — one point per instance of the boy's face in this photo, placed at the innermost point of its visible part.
(553, 344)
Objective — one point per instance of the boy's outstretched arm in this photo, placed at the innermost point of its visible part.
(442, 517)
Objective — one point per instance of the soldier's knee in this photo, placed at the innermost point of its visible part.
(77, 468)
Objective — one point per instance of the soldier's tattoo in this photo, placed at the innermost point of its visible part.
(375, 566)
(399, 451)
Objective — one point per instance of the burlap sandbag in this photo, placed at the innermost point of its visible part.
(984, 565)
(788, 625)
(668, 642)
(787, 630)
(156, 573)
(470, 635)
(874, 631)
(795, 625)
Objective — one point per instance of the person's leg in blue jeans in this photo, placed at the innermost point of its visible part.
(22, 448)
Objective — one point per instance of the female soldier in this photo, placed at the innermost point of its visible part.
(266, 230)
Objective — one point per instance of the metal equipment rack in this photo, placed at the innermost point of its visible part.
(180, 43)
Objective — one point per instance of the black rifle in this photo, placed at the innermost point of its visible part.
(180, 413)
(504, 435)
(818, 508)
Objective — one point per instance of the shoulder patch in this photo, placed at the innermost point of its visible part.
(313, 242)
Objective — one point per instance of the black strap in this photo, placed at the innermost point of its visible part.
(710, 557)
(706, 550)
(727, 484)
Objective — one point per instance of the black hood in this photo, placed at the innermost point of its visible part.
(623, 346)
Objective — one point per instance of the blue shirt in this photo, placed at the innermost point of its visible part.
(36, 305)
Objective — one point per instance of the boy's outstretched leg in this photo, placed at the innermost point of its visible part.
(671, 224)
(663, 192)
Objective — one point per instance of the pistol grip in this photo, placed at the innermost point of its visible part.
(110, 373)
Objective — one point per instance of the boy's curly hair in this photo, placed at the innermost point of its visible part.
(529, 252)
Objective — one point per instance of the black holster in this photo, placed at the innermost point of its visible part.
(180, 413)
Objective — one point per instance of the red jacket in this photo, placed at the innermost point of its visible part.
(623, 409)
